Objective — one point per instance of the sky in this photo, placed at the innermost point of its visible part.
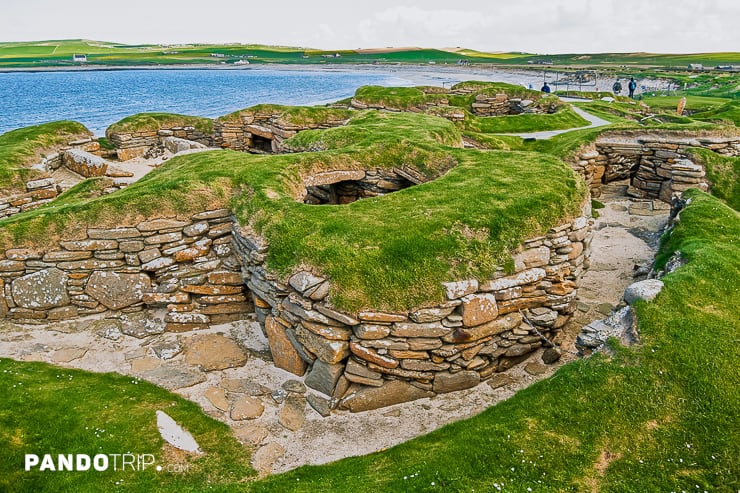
(534, 26)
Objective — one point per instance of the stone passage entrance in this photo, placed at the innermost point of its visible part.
(345, 187)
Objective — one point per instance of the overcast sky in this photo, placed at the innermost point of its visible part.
(552, 26)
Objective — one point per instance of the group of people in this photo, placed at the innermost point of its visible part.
(616, 87)
(631, 86)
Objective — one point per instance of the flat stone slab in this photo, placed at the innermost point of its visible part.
(173, 377)
(214, 352)
(176, 435)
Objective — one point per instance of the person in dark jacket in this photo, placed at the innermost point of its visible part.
(632, 86)
(617, 87)
(545, 88)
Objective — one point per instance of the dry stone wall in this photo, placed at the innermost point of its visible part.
(657, 165)
(44, 189)
(187, 267)
(501, 104)
(130, 145)
(374, 359)
(262, 131)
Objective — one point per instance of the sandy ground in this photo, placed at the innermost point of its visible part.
(621, 241)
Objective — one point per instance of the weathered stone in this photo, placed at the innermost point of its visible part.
(140, 365)
(526, 277)
(424, 315)
(432, 329)
(367, 354)
(319, 404)
(294, 386)
(293, 413)
(392, 392)
(90, 264)
(83, 163)
(226, 278)
(335, 315)
(328, 332)
(214, 352)
(141, 324)
(112, 234)
(501, 324)
(423, 365)
(501, 380)
(381, 317)
(244, 386)
(217, 397)
(163, 238)
(266, 456)
(449, 382)
(423, 343)
(542, 316)
(323, 376)
(211, 290)
(253, 434)
(41, 290)
(66, 355)
(89, 245)
(125, 154)
(173, 377)
(371, 331)
(532, 257)
(334, 176)
(304, 280)
(645, 290)
(551, 355)
(247, 407)
(478, 309)
(209, 215)
(329, 351)
(116, 290)
(165, 298)
(458, 289)
(284, 354)
(189, 254)
(62, 313)
(166, 349)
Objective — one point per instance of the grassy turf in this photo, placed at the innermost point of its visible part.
(386, 253)
(723, 173)
(656, 417)
(151, 122)
(25, 146)
(50, 410)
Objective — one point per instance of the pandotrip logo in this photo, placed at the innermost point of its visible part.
(85, 462)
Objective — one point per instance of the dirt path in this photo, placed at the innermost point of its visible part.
(621, 241)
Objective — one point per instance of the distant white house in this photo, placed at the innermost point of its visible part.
(218, 55)
(696, 66)
(79, 58)
(241, 62)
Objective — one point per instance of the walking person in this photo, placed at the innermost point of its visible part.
(632, 86)
(545, 88)
(617, 87)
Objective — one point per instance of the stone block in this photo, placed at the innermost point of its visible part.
(41, 290)
(360, 398)
(83, 163)
(371, 356)
(323, 376)
(501, 324)
(449, 382)
(529, 276)
(117, 290)
(214, 352)
(284, 354)
(477, 309)
(329, 351)
(458, 289)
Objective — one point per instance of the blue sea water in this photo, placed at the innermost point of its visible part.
(100, 98)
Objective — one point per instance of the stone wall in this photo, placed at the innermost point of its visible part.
(130, 145)
(501, 104)
(43, 189)
(186, 267)
(657, 165)
(373, 359)
(256, 131)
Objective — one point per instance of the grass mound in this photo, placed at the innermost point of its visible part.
(152, 122)
(723, 173)
(25, 146)
(50, 410)
(388, 252)
(300, 116)
(656, 417)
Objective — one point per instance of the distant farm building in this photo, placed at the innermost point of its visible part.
(79, 58)
(696, 66)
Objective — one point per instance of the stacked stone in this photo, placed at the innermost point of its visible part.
(130, 145)
(239, 135)
(38, 192)
(43, 189)
(657, 165)
(373, 359)
(344, 187)
(187, 267)
(501, 104)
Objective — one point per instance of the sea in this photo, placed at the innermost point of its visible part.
(99, 98)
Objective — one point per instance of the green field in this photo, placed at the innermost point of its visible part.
(58, 53)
